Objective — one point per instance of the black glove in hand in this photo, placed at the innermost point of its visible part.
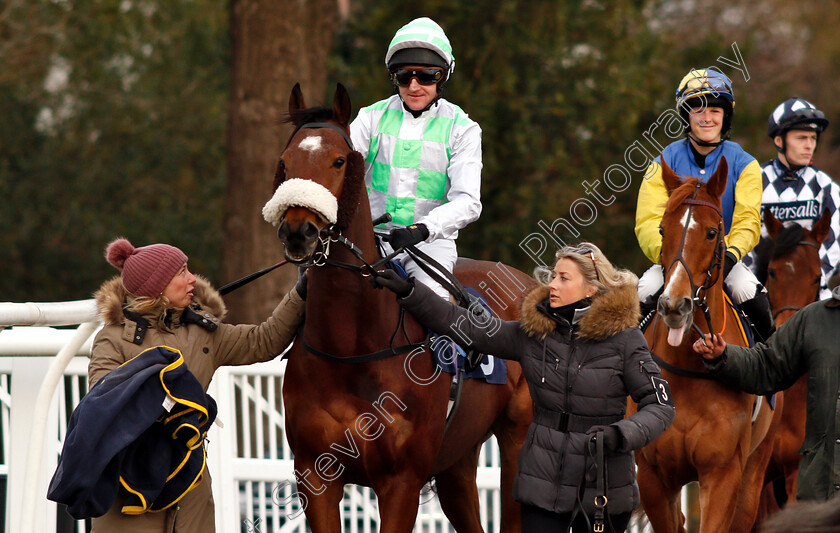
(392, 281)
(612, 437)
(301, 284)
(729, 261)
(407, 236)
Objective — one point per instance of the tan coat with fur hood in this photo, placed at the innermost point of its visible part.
(206, 344)
(586, 369)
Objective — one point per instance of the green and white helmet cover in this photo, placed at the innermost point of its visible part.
(422, 33)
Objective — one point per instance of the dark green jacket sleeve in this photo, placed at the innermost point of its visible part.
(767, 368)
(498, 337)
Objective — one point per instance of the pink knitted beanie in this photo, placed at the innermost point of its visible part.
(146, 271)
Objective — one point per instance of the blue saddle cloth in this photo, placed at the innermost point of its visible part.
(446, 353)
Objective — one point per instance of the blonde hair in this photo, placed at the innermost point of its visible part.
(594, 266)
(152, 308)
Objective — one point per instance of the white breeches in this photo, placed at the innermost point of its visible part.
(741, 283)
(443, 251)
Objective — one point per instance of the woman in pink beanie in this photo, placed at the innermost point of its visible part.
(156, 301)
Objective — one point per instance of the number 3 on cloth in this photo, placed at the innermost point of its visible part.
(663, 391)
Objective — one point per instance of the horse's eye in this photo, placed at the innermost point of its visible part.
(711, 234)
(661, 231)
(771, 272)
(338, 163)
(817, 280)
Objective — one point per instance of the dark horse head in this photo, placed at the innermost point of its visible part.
(788, 263)
(319, 178)
(692, 246)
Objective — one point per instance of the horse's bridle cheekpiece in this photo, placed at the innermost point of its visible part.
(715, 264)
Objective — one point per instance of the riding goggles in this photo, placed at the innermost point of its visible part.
(425, 76)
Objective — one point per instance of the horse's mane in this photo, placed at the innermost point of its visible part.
(310, 114)
(787, 240)
(681, 194)
(781, 246)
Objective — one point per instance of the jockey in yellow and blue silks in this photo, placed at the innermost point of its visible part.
(422, 153)
(706, 103)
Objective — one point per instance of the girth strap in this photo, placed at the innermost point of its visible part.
(567, 422)
(681, 371)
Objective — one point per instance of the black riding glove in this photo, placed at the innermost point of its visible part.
(612, 437)
(407, 236)
(392, 281)
(301, 284)
(729, 261)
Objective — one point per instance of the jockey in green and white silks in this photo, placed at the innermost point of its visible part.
(422, 153)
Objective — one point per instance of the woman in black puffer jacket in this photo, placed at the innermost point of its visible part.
(582, 355)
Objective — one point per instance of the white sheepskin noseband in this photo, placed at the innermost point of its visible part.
(297, 192)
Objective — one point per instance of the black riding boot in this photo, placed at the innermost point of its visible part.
(760, 315)
(648, 308)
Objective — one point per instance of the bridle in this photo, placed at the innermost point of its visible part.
(318, 125)
(716, 263)
(793, 307)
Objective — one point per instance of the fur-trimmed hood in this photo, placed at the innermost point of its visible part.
(111, 297)
(611, 312)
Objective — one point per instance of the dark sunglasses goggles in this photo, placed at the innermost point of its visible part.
(425, 76)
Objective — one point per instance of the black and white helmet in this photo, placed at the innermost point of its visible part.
(795, 114)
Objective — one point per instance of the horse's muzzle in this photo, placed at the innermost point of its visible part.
(676, 312)
(300, 241)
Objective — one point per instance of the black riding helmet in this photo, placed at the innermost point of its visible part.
(795, 114)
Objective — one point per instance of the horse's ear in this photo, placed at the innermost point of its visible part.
(296, 102)
(773, 225)
(717, 183)
(354, 182)
(341, 104)
(672, 181)
(819, 231)
(279, 174)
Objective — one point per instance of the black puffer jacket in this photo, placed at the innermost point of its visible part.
(586, 369)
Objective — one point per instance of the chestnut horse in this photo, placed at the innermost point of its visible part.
(790, 261)
(361, 408)
(713, 439)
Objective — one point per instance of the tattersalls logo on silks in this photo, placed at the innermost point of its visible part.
(800, 210)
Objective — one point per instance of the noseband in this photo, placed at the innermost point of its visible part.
(715, 264)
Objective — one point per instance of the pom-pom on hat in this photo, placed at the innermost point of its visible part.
(146, 271)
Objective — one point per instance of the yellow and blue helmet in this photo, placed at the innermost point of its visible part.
(707, 87)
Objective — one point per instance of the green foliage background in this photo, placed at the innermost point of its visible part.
(132, 141)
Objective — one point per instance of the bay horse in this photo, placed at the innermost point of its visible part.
(359, 409)
(713, 439)
(790, 262)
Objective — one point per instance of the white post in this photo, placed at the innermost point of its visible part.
(221, 450)
(27, 375)
(41, 426)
